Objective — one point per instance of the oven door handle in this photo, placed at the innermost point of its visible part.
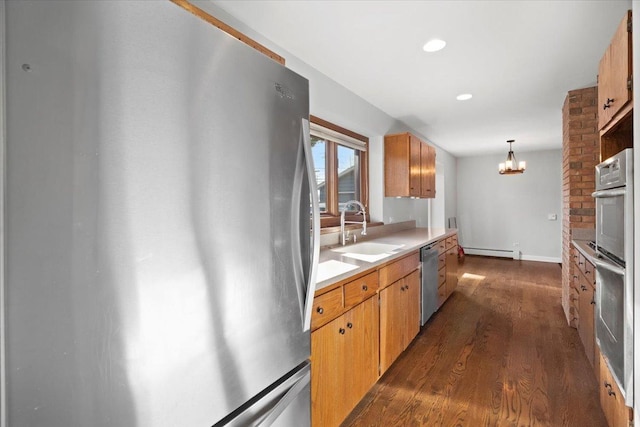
(609, 266)
(609, 193)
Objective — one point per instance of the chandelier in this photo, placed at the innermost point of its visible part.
(511, 166)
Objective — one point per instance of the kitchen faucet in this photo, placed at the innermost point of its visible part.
(343, 233)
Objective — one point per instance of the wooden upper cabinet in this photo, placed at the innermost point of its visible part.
(615, 91)
(427, 171)
(409, 167)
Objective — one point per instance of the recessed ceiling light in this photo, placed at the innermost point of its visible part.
(434, 45)
(464, 97)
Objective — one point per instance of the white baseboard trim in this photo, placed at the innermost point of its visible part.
(541, 258)
(509, 254)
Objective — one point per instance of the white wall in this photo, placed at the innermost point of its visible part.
(337, 104)
(636, 209)
(497, 211)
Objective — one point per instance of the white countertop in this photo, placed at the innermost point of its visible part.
(411, 240)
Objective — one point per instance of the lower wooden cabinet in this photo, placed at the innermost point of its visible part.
(451, 267)
(583, 300)
(344, 363)
(447, 268)
(399, 317)
(611, 400)
(586, 304)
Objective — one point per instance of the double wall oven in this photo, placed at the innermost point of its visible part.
(614, 267)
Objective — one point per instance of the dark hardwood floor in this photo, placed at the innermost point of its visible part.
(499, 352)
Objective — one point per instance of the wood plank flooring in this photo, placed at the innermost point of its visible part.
(498, 353)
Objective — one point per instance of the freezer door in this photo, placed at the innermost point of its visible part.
(284, 404)
(157, 217)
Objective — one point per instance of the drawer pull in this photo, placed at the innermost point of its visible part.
(341, 331)
(583, 287)
(365, 288)
(349, 325)
(607, 385)
(608, 104)
(592, 303)
(611, 393)
(320, 310)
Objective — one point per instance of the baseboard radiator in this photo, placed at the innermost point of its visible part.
(502, 253)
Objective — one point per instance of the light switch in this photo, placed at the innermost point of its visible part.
(552, 217)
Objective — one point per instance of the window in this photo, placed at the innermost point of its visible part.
(340, 159)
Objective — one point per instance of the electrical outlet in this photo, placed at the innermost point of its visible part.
(552, 217)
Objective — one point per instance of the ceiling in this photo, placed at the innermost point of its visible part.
(517, 58)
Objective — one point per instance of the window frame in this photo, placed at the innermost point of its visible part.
(331, 218)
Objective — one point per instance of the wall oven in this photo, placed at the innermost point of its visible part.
(614, 267)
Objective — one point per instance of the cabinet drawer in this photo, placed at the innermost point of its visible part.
(581, 262)
(589, 272)
(449, 242)
(441, 260)
(454, 240)
(326, 307)
(442, 276)
(442, 245)
(442, 294)
(397, 270)
(360, 289)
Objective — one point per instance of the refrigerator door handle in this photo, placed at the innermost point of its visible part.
(315, 225)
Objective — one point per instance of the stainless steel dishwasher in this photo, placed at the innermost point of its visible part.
(429, 291)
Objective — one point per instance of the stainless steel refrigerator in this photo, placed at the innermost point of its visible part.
(158, 252)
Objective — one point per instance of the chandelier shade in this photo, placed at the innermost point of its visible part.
(511, 165)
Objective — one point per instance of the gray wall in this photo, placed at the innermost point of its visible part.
(497, 211)
(337, 104)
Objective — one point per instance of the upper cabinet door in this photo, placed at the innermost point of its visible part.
(427, 171)
(409, 167)
(414, 167)
(614, 75)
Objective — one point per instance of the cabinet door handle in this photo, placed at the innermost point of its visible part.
(320, 310)
(607, 385)
(588, 272)
(575, 277)
(592, 303)
(611, 393)
(583, 287)
(341, 331)
(349, 325)
(406, 287)
(608, 104)
(365, 288)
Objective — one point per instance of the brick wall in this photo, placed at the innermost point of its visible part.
(580, 154)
